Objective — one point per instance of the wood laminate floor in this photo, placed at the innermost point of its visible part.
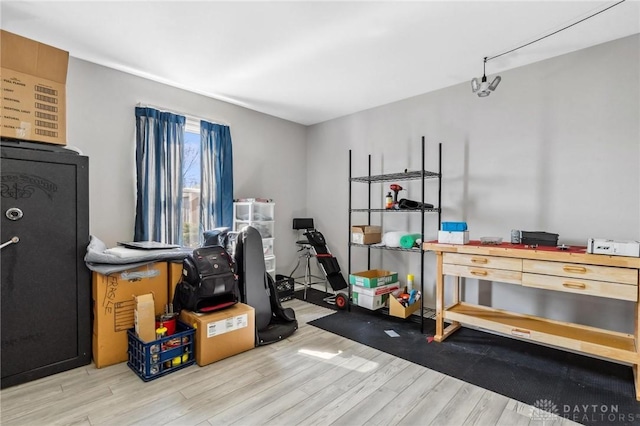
(312, 378)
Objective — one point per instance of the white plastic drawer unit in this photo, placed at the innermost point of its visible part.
(266, 229)
(270, 263)
(254, 211)
(267, 247)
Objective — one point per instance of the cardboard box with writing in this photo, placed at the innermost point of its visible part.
(373, 278)
(366, 234)
(114, 304)
(223, 333)
(33, 78)
(372, 298)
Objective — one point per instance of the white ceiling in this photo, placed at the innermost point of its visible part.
(313, 61)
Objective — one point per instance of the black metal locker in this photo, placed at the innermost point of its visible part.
(46, 286)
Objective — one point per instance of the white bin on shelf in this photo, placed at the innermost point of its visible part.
(254, 211)
(270, 263)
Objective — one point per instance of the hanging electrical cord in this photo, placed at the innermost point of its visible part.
(484, 89)
(555, 32)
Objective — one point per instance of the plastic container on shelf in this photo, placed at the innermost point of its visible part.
(266, 229)
(254, 211)
(267, 246)
(259, 213)
(491, 240)
(270, 263)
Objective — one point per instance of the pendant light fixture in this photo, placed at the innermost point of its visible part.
(483, 88)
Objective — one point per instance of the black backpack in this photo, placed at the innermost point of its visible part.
(209, 281)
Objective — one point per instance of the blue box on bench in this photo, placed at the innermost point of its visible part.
(162, 356)
(454, 226)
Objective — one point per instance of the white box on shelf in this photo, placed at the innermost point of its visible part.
(370, 302)
(372, 298)
(453, 237)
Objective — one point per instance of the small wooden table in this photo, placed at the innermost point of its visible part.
(548, 268)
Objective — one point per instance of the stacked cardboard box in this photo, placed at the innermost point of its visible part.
(366, 234)
(114, 301)
(223, 333)
(33, 78)
(370, 289)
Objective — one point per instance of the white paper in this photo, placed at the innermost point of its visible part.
(392, 333)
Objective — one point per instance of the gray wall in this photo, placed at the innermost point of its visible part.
(556, 148)
(101, 123)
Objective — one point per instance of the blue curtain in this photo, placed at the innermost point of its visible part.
(159, 147)
(216, 189)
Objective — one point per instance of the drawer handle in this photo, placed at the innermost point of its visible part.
(575, 269)
(520, 332)
(481, 260)
(569, 284)
(479, 273)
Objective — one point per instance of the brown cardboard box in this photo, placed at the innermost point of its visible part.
(366, 234)
(223, 333)
(145, 317)
(33, 78)
(397, 310)
(113, 307)
(175, 275)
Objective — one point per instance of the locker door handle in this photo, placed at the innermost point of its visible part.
(13, 240)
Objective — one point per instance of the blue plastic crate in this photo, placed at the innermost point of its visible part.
(454, 226)
(163, 356)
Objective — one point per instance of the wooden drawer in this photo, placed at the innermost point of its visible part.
(493, 262)
(488, 274)
(587, 272)
(581, 286)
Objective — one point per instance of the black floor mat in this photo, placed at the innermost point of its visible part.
(315, 297)
(583, 389)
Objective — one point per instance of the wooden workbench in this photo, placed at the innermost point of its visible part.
(547, 268)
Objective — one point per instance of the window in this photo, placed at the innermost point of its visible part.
(191, 175)
(162, 189)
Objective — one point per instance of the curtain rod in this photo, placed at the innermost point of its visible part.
(145, 105)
